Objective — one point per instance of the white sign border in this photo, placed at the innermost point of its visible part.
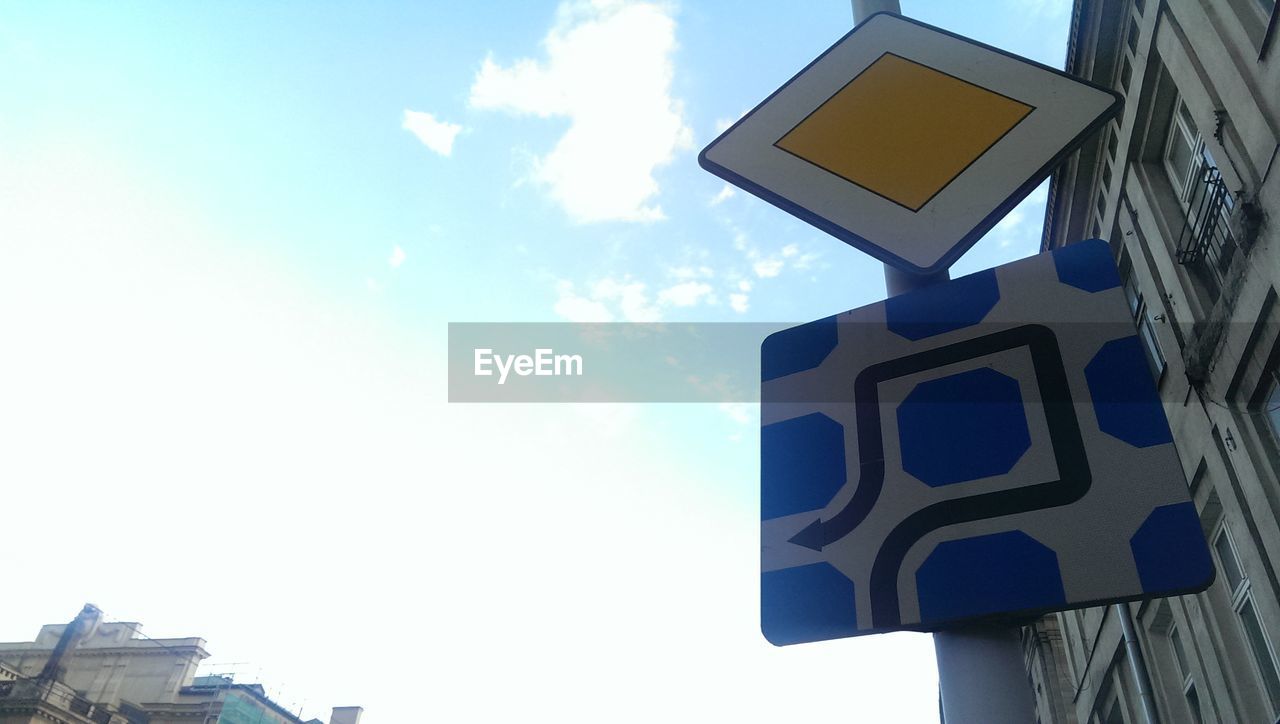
(745, 154)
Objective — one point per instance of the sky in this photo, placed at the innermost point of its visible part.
(232, 236)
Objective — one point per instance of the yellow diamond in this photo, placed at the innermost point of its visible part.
(903, 130)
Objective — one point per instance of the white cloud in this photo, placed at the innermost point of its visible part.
(608, 69)
(435, 134)
(765, 262)
(579, 309)
(772, 264)
(576, 308)
(685, 294)
(738, 302)
(628, 299)
(630, 296)
(1006, 231)
(804, 261)
(744, 285)
(397, 257)
(767, 268)
(722, 124)
(606, 300)
(726, 193)
(740, 412)
(691, 272)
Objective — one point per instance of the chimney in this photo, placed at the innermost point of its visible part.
(346, 715)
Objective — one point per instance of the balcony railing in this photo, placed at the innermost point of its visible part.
(80, 706)
(1206, 236)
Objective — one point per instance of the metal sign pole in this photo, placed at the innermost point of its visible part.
(981, 676)
(980, 669)
(898, 282)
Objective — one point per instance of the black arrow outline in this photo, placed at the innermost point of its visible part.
(1064, 434)
(821, 533)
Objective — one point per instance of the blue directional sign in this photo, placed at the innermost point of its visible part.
(989, 446)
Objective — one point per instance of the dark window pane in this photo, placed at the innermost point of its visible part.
(1193, 703)
(1185, 114)
(1179, 653)
(1155, 358)
(1258, 643)
(1230, 564)
(1179, 156)
(1131, 294)
(1273, 410)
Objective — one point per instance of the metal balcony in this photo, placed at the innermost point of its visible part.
(1206, 236)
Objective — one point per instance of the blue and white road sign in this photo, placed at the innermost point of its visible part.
(940, 458)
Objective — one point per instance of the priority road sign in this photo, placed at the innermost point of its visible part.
(937, 458)
(907, 141)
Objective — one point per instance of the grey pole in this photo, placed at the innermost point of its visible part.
(862, 9)
(981, 676)
(1137, 664)
(898, 282)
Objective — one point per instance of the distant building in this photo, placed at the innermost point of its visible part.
(1186, 187)
(107, 673)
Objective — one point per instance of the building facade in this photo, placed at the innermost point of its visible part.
(1185, 185)
(108, 673)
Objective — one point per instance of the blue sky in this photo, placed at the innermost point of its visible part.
(231, 237)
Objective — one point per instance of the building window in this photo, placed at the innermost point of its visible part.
(1115, 714)
(1193, 703)
(1142, 320)
(1206, 237)
(1180, 150)
(1179, 655)
(1264, 655)
(1271, 407)
(1184, 670)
